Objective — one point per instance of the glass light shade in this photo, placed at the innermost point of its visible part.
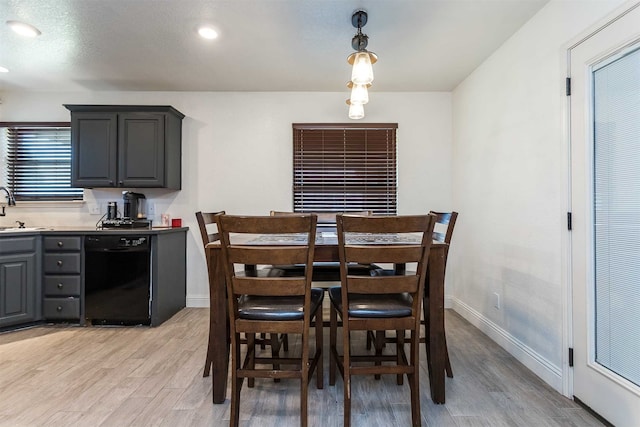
(356, 111)
(362, 72)
(359, 94)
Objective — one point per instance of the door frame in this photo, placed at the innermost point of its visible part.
(566, 280)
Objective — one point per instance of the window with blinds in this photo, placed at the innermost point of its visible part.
(345, 167)
(37, 160)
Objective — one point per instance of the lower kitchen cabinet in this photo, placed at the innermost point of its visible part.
(45, 275)
(19, 280)
(62, 265)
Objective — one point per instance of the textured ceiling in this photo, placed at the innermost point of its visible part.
(264, 45)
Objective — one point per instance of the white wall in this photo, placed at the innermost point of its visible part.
(237, 154)
(509, 183)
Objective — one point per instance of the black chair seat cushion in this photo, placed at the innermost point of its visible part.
(373, 305)
(254, 307)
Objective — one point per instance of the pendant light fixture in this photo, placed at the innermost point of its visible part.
(362, 70)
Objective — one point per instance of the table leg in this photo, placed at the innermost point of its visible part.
(219, 328)
(436, 349)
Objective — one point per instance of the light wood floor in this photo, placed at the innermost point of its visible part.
(73, 376)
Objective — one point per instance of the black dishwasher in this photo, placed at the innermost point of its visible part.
(117, 280)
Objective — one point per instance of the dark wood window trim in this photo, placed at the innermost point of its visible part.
(38, 161)
(345, 167)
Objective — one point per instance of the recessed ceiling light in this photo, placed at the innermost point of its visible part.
(23, 29)
(207, 33)
(3, 70)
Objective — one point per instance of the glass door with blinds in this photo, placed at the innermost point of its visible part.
(605, 240)
(345, 167)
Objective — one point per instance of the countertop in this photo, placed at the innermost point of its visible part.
(76, 230)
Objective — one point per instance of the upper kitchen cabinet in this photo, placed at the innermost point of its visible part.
(126, 146)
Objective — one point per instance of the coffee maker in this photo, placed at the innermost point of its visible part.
(134, 214)
(135, 205)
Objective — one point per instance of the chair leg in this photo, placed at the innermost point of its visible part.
(333, 330)
(275, 352)
(414, 379)
(319, 344)
(379, 344)
(208, 361)
(447, 363)
(251, 354)
(346, 366)
(304, 379)
(425, 311)
(285, 342)
(399, 352)
(236, 383)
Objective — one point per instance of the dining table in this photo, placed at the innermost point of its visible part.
(326, 250)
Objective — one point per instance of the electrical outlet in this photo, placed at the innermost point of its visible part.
(496, 300)
(151, 208)
(94, 209)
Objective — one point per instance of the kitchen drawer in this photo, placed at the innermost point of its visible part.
(62, 243)
(61, 285)
(12, 245)
(62, 263)
(61, 308)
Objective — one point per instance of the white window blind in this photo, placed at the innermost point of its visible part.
(345, 167)
(617, 215)
(38, 161)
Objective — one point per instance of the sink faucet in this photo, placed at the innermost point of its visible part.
(10, 198)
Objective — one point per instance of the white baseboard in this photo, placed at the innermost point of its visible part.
(198, 301)
(547, 371)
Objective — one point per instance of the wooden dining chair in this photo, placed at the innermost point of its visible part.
(448, 221)
(379, 303)
(271, 304)
(328, 271)
(209, 233)
(443, 232)
(206, 224)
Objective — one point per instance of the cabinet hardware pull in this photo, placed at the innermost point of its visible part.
(59, 263)
(60, 244)
(59, 308)
(60, 285)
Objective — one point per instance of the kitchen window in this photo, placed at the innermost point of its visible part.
(37, 161)
(345, 167)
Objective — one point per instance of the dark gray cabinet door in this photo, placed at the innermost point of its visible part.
(133, 146)
(141, 150)
(94, 144)
(17, 289)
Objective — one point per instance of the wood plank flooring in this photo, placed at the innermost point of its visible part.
(140, 376)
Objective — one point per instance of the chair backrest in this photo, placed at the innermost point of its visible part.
(385, 239)
(282, 240)
(448, 220)
(206, 219)
(324, 217)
